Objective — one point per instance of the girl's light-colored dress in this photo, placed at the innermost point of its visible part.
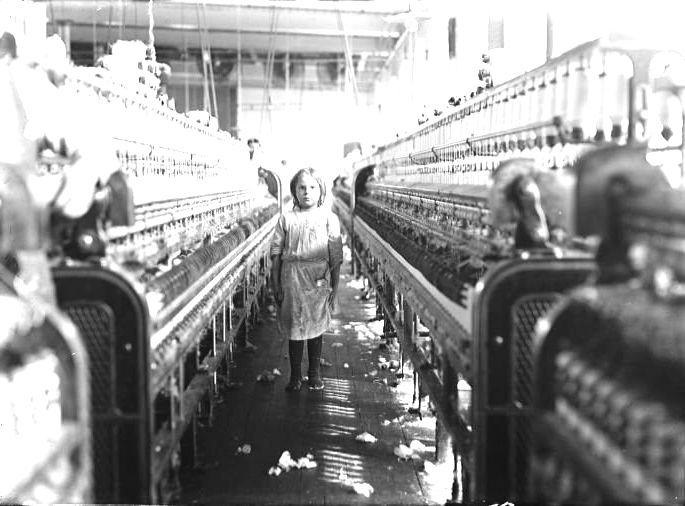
(309, 244)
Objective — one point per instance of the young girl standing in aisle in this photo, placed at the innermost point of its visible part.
(306, 253)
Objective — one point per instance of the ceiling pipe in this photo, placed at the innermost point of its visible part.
(377, 7)
(319, 32)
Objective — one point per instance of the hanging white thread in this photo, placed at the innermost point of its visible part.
(150, 33)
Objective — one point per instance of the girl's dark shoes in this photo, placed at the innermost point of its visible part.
(315, 384)
(294, 385)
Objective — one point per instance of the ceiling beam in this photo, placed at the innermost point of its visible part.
(380, 7)
(373, 60)
(320, 32)
(352, 7)
(232, 41)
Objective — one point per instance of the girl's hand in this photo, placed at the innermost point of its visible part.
(278, 294)
(332, 303)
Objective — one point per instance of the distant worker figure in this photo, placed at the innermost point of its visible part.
(253, 145)
(270, 180)
(306, 253)
(256, 160)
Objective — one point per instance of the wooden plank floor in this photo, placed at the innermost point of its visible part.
(325, 423)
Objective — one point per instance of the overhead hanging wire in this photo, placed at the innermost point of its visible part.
(348, 59)
(208, 45)
(268, 71)
(150, 31)
(203, 56)
(210, 102)
(122, 25)
(109, 25)
(186, 82)
(94, 32)
(239, 76)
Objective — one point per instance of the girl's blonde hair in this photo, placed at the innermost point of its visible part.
(313, 173)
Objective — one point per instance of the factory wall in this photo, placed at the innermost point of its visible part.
(310, 110)
(190, 97)
(423, 73)
(310, 106)
(429, 68)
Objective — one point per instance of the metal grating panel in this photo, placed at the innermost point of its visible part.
(525, 314)
(96, 323)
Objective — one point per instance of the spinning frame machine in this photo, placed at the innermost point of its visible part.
(481, 267)
(162, 278)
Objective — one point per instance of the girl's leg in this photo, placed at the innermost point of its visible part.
(314, 353)
(295, 352)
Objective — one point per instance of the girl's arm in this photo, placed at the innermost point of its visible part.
(335, 278)
(275, 252)
(335, 255)
(276, 278)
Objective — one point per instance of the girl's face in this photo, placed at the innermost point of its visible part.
(307, 192)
